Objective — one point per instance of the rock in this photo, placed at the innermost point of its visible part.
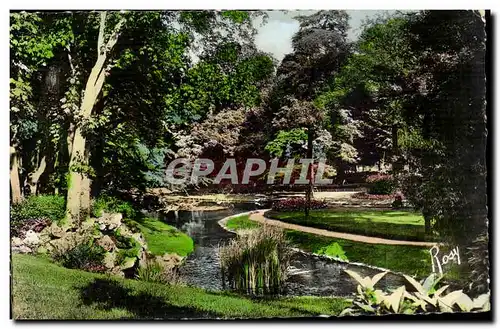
(117, 271)
(128, 262)
(44, 236)
(106, 243)
(68, 242)
(88, 225)
(56, 231)
(170, 260)
(139, 238)
(22, 249)
(109, 221)
(143, 259)
(109, 260)
(16, 242)
(31, 240)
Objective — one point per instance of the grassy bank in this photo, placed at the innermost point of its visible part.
(162, 238)
(407, 259)
(43, 290)
(389, 224)
(241, 223)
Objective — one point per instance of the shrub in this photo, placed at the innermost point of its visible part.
(366, 196)
(398, 200)
(479, 264)
(380, 184)
(426, 298)
(85, 256)
(20, 228)
(51, 207)
(154, 271)
(294, 204)
(257, 262)
(112, 204)
(333, 250)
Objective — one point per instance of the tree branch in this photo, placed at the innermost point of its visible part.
(114, 35)
(100, 40)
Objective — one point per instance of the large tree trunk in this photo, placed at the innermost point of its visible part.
(86, 182)
(15, 184)
(78, 198)
(73, 202)
(427, 219)
(34, 177)
(309, 190)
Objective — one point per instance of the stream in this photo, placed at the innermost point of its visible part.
(317, 276)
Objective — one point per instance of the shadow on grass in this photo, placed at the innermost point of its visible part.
(108, 294)
(270, 300)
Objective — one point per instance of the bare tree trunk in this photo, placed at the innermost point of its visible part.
(15, 184)
(79, 184)
(427, 219)
(396, 156)
(34, 177)
(70, 137)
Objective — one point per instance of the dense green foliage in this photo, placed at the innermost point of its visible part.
(85, 256)
(42, 290)
(100, 102)
(110, 204)
(38, 206)
(426, 298)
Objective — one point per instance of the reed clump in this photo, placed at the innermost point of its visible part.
(256, 262)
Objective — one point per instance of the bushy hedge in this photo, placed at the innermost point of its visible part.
(112, 204)
(47, 207)
(86, 256)
(380, 184)
(294, 204)
(376, 197)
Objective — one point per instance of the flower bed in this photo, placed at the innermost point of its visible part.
(293, 204)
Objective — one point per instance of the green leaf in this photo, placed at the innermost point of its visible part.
(450, 299)
(440, 290)
(394, 299)
(481, 300)
(415, 284)
(376, 278)
(465, 303)
(362, 281)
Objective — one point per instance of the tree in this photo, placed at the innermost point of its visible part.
(448, 173)
(78, 198)
(319, 49)
(366, 98)
(33, 44)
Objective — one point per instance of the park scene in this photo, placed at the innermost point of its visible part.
(229, 164)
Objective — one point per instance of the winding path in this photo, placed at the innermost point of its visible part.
(258, 216)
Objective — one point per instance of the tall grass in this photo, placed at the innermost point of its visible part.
(257, 262)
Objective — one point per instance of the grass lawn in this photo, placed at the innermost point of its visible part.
(241, 222)
(43, 290)
(162, 238)
(407, 259)
(389, 224)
